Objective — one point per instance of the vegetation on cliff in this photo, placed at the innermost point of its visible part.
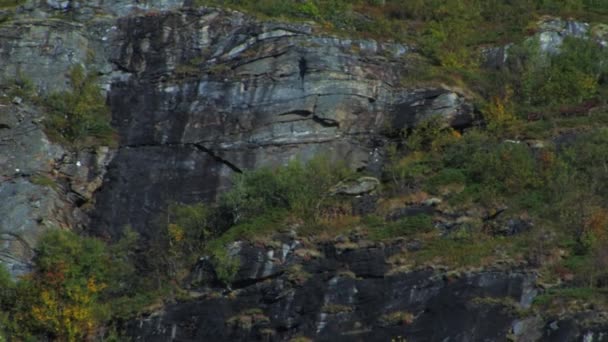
(66, 297)
(447, 31)
(79, 117)
(525, 186)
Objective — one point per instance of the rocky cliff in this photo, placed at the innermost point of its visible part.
(210, 93)
(348, 294)
(198, 94)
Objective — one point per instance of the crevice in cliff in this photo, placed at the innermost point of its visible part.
(241, 284)
(325, 122)
(18, 238)
(303, 66)
(255, 59)
(118, 65)
(216, 157)
(75, 197)
(194, 145)
(300, 112)
(303, 97)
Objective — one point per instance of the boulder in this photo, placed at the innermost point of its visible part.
(356, 187)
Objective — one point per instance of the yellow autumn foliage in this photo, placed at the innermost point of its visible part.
(68, 319)
(499, 114)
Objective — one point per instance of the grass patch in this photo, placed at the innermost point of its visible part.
(572, 299)
(247, 319)
(397, 318)
(43, 180)
(475, 251)
(444, 179)
(257, 228)
(378, 229)
(9, 4)
(226, 266)
(334, 309)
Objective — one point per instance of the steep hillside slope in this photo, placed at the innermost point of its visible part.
(243, 177)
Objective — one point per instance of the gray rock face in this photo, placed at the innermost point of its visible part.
(329, 293)
(26, 209)
(587, 326)
(42, 185)
(245, 94)
(550, 36)
(553, 30)
(41, 51)
(345, 295)
(59, 4)
(198, 94)
(30, 211)
(45, 39)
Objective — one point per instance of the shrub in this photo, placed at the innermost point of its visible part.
(509, 167)
(79, 117)
(224, 264)
(44, 180)
(301, 188)
(588, 159)
(492, 169)
(424, 143)
(23, 87)
(499, 113)
(77, 285)
(7, 299)
(407, 172)
(188, 227)
(61, 297)
(445, 177)
(431, 135)
(568, 77)
(456, 253)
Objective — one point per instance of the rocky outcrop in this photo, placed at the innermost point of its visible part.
(211, 93)
(43, 185)
(550, 34)
(351, 291)
(48, 185)
(332, 293)
(196, 95)
(587, 326)
(42, 51)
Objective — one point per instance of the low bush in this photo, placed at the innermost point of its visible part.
(557, 296)
(568, 77)
(300, 188)
(380, 230)
(445, 177)
(471, 249)
(79, 117)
